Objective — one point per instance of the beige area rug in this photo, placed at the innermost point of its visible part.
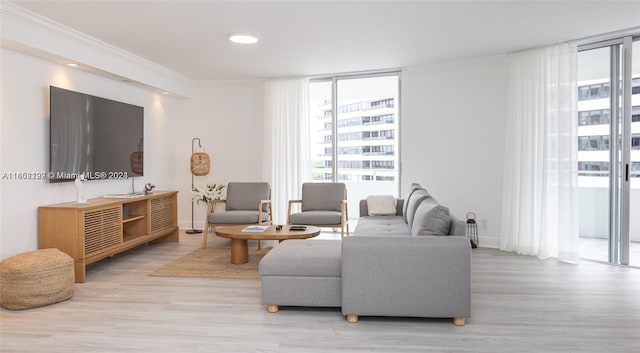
(212, 263)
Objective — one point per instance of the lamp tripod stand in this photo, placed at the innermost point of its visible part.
(193, 230)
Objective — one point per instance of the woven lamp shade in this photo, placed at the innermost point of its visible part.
(200, 163)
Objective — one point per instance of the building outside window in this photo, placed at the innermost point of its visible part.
(366, 125)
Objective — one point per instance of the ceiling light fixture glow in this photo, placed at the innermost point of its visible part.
(72, 65)
(243, 38)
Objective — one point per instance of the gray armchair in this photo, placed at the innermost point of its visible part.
(246, 203)
(322, 205)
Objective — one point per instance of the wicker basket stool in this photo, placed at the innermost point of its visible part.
(36, 278)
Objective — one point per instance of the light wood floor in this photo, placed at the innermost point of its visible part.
(519, 304)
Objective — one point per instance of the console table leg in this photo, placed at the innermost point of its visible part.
(80, 271)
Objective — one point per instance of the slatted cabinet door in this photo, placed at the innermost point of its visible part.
(102, 230)
(163, 213)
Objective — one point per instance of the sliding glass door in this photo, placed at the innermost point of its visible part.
(634, 168)
(594, 152)
(355, 134)
(609, 167)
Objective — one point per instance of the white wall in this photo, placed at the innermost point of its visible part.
(452, 136)
(227, 116)
(25, 137)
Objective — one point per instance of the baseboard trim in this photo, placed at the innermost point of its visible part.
(492, 242)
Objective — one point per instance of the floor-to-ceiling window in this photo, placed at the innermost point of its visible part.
(355, 134)
(609, 151)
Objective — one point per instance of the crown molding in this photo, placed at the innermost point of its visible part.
(26, 29)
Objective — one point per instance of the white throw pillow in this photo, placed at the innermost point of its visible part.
(381, 205)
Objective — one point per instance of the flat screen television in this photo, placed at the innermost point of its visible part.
(93, 136)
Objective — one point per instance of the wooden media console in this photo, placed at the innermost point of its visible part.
(106, 226)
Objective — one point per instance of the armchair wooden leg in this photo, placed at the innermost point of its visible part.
(351, 318)
(259, 245)
(272, 308)
(205, 232)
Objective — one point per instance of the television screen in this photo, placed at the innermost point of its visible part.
(96, 137)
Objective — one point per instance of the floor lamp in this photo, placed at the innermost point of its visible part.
(193, 230)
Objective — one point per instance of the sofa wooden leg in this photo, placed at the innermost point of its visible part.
(458, 321)
(352, 318)
(272, 308)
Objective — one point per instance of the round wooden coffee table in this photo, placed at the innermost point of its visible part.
(239, 238)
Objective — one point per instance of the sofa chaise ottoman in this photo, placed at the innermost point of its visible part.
(302, 272)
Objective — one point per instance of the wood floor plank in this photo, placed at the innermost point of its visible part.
(519, 304)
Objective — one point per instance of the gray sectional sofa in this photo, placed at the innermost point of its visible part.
(415, 263)
(418, 213)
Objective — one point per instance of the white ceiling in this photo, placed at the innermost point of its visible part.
(312, 38)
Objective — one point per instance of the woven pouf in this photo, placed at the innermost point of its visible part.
(36, 278)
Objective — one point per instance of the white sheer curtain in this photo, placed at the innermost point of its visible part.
(286, 138)
(540, 215)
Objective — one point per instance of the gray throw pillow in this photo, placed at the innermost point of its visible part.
(413, 187)
(414, 201)
(431, 218)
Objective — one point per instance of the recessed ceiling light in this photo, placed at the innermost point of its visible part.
(72, 65)
(165, 93)
(243, 38)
